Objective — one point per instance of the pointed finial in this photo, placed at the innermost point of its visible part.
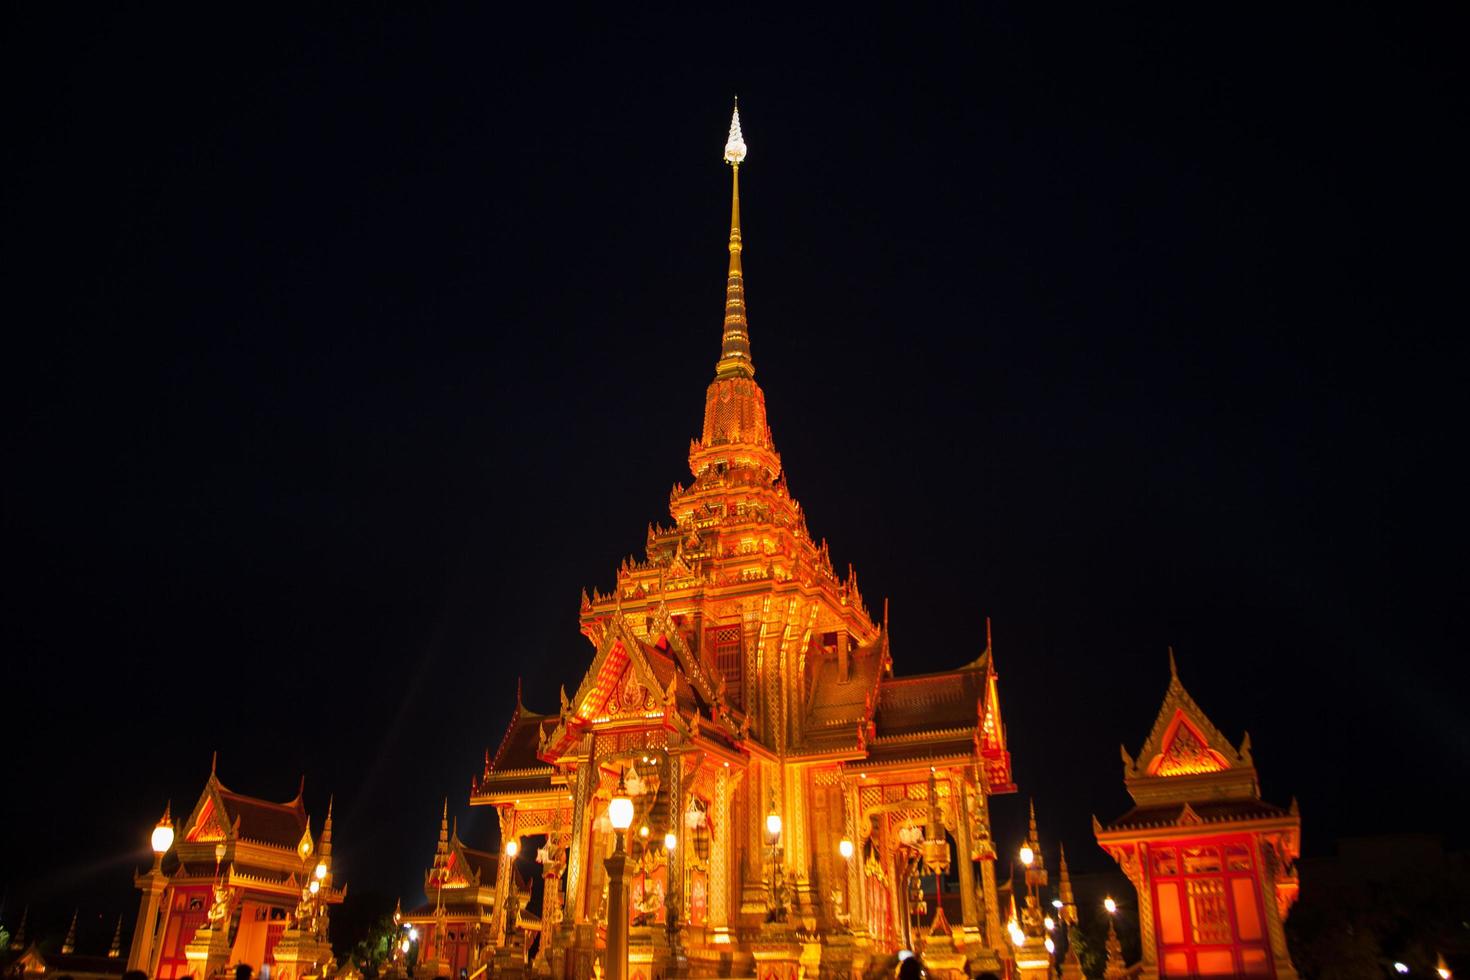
(115, 950)
(735, 360)
(69, 944)
(988, 646)
(735, 143)
(213, 761)
(1032, 801)
(1173, 667)
(301, 788)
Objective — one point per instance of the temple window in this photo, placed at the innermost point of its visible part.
(1201, 860)
(1165, 862)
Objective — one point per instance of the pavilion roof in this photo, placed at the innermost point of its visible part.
(1186, 814)
(940, 703)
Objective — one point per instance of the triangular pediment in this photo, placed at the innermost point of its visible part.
(620, 682)
(1183, 748)
(208, 821)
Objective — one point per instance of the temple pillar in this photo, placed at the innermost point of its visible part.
(1275, 930)
(585, 776)
(720, 856)
(140, 953)
(504, 880)
(959, 793)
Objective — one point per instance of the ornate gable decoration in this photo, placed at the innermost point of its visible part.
(209, 821)
(620, 683)
(1183, 741)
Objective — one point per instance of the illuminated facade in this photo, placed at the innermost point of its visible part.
(737, 677)
(1211, 861)
(242, 883)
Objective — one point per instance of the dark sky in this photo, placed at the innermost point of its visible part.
(343, 350)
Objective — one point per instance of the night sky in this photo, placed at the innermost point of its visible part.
(343, 350)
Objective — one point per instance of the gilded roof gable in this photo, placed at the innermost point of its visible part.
(1185, 744)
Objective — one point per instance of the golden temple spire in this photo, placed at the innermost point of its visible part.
(115, 950)
(735, 359)
(441, 852)
(69, 944)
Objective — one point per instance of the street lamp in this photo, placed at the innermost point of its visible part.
(1110, 905)
(162, 838)
(620, 815)
(1028, 856)
(844, 847)
(512, 848)
(671, 841)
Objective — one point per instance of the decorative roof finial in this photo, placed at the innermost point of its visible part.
(735, 361)
(69, 944)
(115, 950)
(735, 144)
(1173, 667)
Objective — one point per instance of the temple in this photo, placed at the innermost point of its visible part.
(1213, 863)
(453, 925)
(792, 795)
(243, 882)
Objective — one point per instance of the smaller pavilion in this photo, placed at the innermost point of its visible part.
(1211, 861)
(454, 922)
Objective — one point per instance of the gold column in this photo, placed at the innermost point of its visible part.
(675, 891)
(857, 906)
(719, 857)
(959, 795)
(584, 776)
(503, 880)
(1266, 882)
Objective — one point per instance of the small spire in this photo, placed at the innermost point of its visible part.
(19, 940)
(735, 361)
(213, 761)
(1173, 667)
(115, 950)
(988, 646)
(69, 944)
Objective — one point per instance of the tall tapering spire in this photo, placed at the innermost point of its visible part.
(735, 359)
(115, 950)
(69, 944)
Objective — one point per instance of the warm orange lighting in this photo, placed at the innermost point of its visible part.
(620, 812)
(321, 870)
(163, 835)
(643, 831)
(844, 847)
(315, 886)
(1027, 855)
(773, 824)
(670, 841)
(512, 848)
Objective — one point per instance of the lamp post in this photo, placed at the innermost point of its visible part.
(152, 885)
(620, 815)
(776, 910)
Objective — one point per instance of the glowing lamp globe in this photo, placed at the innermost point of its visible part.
(1056, 903)
(1050, 923)
(512, 848)
(844, 847)
(1110, 905)
(1027, 855)
(773, 824)
(315, 886)
(413, 934)
(1051, 947)
(620, 812)
(163, 837)
(670, 841)
(643, 831)
(321, 870)
(405, 945)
